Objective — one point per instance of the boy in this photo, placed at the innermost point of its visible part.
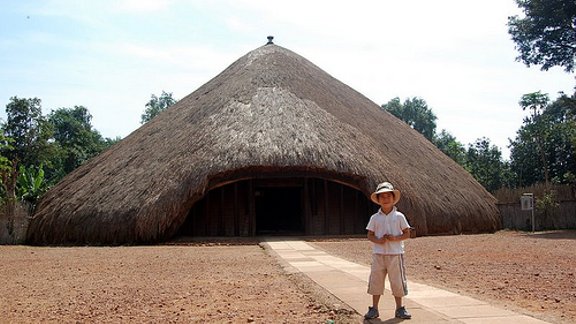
(387, 229)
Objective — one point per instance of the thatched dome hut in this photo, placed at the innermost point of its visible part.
(273, 144)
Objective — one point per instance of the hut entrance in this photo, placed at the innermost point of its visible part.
(279, 210)
(279, 206)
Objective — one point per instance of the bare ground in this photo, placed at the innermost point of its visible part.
(157, 284)
(242, 283)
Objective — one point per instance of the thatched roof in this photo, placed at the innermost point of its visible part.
(270, 111)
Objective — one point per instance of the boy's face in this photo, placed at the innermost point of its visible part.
(386, 200)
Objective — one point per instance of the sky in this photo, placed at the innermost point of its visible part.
(110, 56)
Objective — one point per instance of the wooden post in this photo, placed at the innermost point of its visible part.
(341, 209)
(325, 206)
(251, 208)
(306, 206)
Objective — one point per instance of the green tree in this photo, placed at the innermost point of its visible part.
(6, 167)
(547, 34)
(564, 111)
(561, 118)
(544, 149)
(415, 113)
(29, 131)
(451, 147)
(75, 139)
(26, 133)
(524, 160)
(484, 162)
(157, 105)
(111, 141)
(537, 102)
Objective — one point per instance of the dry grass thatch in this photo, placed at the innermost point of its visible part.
(270, 111)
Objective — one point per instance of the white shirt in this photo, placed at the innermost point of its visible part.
(388, 224)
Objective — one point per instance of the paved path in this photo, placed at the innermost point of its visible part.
(348, 281)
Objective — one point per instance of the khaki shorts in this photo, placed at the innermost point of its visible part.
(393, 266)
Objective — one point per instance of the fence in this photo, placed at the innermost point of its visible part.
(560, 215)
(13, 226)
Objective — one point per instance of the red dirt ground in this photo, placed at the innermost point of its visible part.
(157, 284)
(198, 283)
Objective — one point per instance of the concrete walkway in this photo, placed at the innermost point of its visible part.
(348, 282)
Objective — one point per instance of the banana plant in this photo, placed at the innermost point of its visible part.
(31, 184)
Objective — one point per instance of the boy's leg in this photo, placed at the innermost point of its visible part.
(373, 310)
(376, 284)
(397, 277)
(398, 301)
(375, 301)
(377, 277)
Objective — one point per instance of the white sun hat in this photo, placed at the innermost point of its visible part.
(385, 187)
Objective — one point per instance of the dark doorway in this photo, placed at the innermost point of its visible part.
(279, 211)
(279, 206)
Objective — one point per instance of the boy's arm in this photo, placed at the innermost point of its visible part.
(372, 238)
(405, 235)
